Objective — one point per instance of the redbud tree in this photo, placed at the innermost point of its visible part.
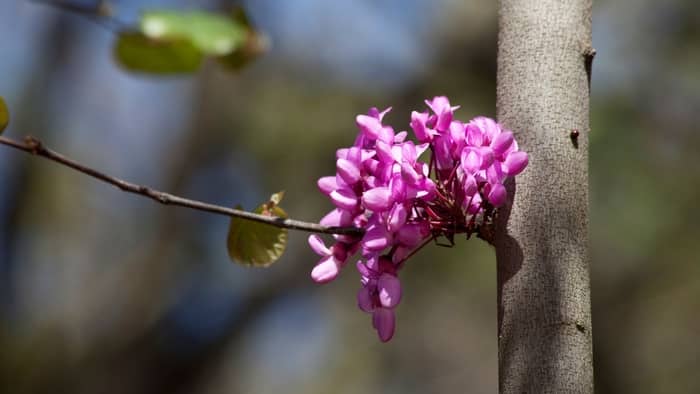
(519, 183)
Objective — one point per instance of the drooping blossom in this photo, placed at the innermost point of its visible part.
(400, 202)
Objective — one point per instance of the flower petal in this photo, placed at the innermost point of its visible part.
(377, 199)
(475, 137)
(470, 186)
(474, 203)
(494, 174)
(441, 107)
(336, 218)
(374, 112)
(400, 137)
(376, 238)
(411, 175)
(497, 195)
(342, 153)
(327, 184)
(488, 127)
(441, 151)
(369, 125)
(344, 199)
(418, 124)
(487, 158)
(371, 182)
(384, 322)
(364, 299)
(471, 160)
(411, 234)
(409, 153)
(363, 269)
(502, 142)
(516, 162)
(386, 134)
(326, 270)
(372, 264)
(397, 217)
(348, 170)
(384, 152)
(318, 246)
(398, 187)
(389, 288)
(438, 104)
(426, 189)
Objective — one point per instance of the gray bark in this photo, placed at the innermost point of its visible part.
(544, 318)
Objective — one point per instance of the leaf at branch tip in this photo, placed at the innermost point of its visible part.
(257, 244)
(4, 115)
(254, 45)
(136, 52)
(277, 197)
(169, 42)
(213, 34)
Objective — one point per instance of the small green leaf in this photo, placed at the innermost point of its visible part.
(255, 44)
(211, 33)
(170, 42)
(239, 15)
(137, 52)
(258, 244)
(277, 197)
(4, 115)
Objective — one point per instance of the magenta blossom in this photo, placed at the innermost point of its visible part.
(402, 203)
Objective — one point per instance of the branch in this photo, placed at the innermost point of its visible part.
(101, 12)
(101, 8)
(36, 147)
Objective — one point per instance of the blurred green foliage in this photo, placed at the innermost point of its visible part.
(4, 115)
(212, 34)
(137, 52)
(175, 42)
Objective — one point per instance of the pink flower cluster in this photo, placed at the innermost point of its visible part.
(402, 203)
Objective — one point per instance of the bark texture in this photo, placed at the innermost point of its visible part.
(544, 319)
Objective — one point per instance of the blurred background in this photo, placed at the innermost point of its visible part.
(105, 292)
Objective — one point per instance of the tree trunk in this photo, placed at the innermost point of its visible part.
(544, 319)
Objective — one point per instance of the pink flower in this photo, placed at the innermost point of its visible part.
(444, 112)
(419, 124)
(377, 199)
(377, 238)
(400, 202)
(380, 294)
(515, 163)
(497, 195)
(332, 260)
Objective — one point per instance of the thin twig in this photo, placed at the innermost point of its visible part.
(414, 251)
(100, 8)
(101, 12)
(34, 146)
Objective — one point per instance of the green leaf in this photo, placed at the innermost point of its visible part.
(212, 34)
(258, 244)
(254, 45)
(276, 198)
(239, 15)
(137, 52)
(169, 42)
(4, 115)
